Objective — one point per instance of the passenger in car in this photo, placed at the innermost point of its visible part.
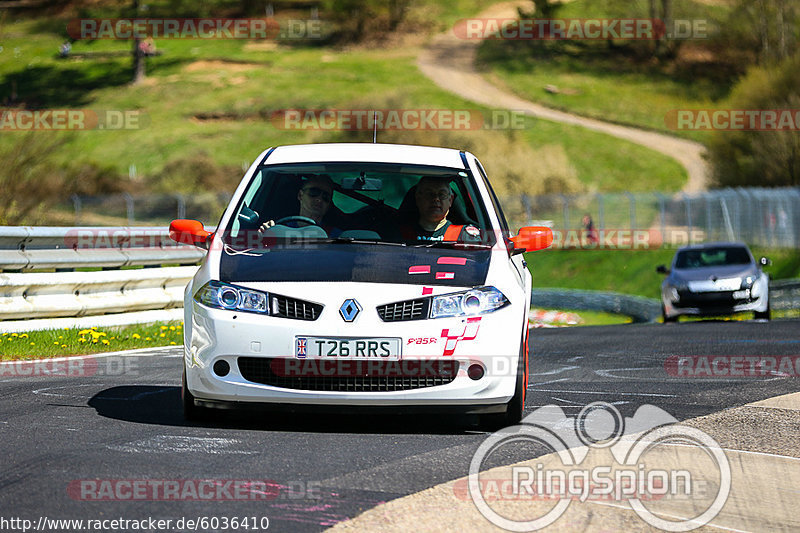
(434, 198)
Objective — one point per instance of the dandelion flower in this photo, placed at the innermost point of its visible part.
(63, 345)
(136, 336)
(23, 336)
(172, 328)
(106, 342)
(84, 331)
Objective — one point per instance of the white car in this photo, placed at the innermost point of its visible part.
(357, 305)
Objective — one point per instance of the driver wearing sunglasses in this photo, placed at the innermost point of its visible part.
(315, 197)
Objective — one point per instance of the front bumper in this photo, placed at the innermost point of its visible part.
(712, 303)
(493, 342)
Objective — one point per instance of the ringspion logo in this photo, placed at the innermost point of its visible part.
(647, 461)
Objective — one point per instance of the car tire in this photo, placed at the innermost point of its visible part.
(191, 412)
(667, 319)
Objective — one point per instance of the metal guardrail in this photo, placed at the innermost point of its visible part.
(25, 248)
(27, 294)
(640, 309)
(74, 294)
(783, 295)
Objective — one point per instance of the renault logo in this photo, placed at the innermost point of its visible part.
(349, 310)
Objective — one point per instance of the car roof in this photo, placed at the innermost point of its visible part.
(706, 245)
(367, 152)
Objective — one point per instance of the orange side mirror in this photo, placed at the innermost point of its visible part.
(189, 232)
(532, 238)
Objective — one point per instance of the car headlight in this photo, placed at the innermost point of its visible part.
(468, 303)
(226, 296)
(747, 282)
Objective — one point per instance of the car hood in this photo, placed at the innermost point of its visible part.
(359, 263)
(721, 272)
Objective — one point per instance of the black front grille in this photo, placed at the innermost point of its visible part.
(708, 299)
(347, 376)
(285, 307)
(407, 310)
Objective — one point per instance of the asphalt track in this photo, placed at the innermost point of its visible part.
(123, 422)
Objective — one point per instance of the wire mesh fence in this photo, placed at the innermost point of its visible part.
(140, 210)
(761, 217)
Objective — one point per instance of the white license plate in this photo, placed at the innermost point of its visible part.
(728, 284)
(341, 348)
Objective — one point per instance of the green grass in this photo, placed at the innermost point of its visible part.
(628, 271)
(245, 78)
(609, 85)
(65, 342)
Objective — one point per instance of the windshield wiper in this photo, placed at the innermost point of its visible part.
(354, 240)
(452, 244)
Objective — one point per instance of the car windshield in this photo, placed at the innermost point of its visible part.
(409, 205)
(710, 257)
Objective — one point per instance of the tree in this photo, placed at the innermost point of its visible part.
(138, 54)
(28, 178)
(769, 29)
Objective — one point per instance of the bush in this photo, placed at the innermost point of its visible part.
(760, 158)
(194, 174)
(513, 166)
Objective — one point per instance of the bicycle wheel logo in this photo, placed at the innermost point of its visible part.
(647, 461)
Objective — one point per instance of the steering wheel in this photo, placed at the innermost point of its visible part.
(297, 218)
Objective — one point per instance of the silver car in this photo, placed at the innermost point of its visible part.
(714, 279)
